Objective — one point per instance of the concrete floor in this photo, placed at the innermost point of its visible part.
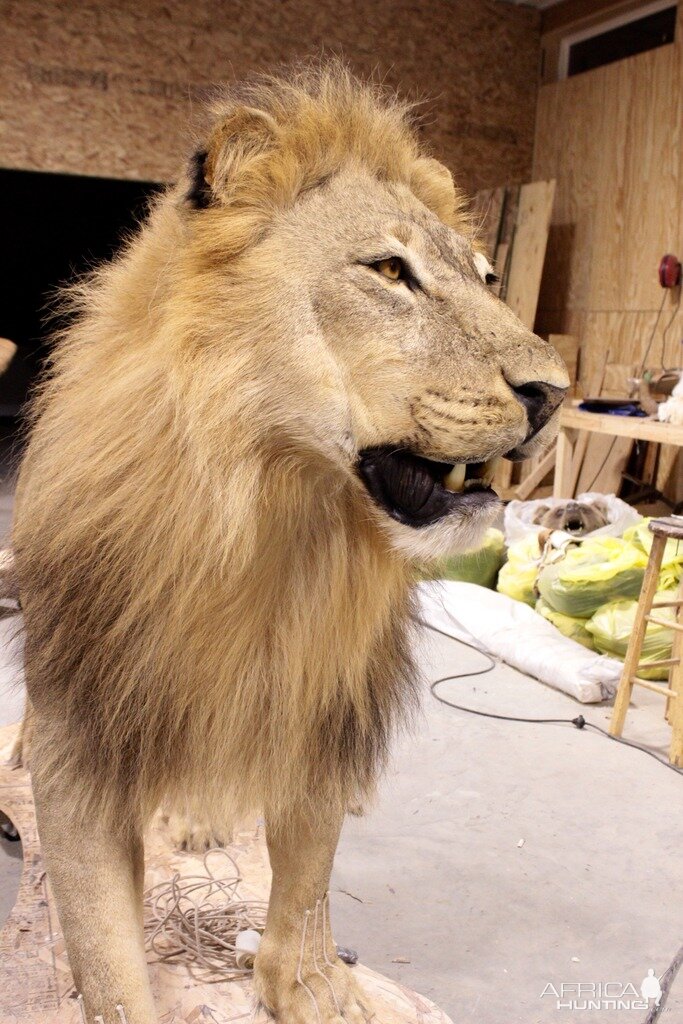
(501, 858)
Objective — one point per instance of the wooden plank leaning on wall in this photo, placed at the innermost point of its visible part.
(514, 225)
(568, 348)
(528, 250)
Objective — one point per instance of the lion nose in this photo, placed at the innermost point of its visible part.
(540, 401)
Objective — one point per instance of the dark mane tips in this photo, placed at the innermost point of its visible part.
(199, 195)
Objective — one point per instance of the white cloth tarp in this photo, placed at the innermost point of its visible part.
(514, 632)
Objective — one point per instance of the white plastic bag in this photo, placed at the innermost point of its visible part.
(519, 516)
(671, 411)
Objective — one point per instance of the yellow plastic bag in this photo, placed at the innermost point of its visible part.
(672, 560)
(601, 569)
(569, 626)
(517, 578)
(612, 624)
(479, 566)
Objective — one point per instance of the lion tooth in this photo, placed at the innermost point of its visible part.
(490, 468)
(456, 478)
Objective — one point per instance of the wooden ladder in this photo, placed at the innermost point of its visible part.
(668, 528)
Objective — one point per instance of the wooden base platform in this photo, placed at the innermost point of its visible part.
(36, 986)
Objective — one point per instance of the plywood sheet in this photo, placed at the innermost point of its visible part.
(36, 986)
(506, 238)
(568, 146)
(670, 472)
(638, 177)
(533, 472)
(613, 139)
(501, 266)
(604, 463)
(509, 217)
(90, 87)
(528, 251)
(567, 346)
(627, 334)
(617, 380)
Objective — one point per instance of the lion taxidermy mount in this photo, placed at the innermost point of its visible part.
(292, 384)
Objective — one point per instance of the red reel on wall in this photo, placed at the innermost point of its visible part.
(669, 271)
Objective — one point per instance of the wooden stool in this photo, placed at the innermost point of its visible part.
(668, 528)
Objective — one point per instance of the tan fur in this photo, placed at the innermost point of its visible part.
(179, 541)
(214, 607)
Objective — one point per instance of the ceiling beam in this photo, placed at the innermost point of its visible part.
(570, 11)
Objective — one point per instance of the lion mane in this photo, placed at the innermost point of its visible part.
(209, 610)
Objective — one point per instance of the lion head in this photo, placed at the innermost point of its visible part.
(374, 315)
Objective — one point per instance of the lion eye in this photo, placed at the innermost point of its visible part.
(393, 268)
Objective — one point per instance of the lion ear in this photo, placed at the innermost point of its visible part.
(433, 184)
(241, 137)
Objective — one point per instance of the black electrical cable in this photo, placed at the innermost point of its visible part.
(677, 306)
(579, 722)
(666, 981)
(652, 333)
(602, 465)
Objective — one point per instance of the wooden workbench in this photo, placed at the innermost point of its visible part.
(573, 421)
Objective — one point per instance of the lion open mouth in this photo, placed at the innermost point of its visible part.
(418, 492)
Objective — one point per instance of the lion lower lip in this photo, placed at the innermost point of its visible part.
(418, 491)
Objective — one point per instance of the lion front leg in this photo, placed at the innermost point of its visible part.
(298, 975)
(96, 875)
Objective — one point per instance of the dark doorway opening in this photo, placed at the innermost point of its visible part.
(55, 228)
(627, 40)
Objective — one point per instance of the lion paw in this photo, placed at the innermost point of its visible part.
(191, 835)
(326, 995)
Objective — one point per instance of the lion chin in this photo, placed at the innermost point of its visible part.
(429, 509)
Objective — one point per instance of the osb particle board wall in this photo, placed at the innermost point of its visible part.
(105, 87)
(613, 140)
